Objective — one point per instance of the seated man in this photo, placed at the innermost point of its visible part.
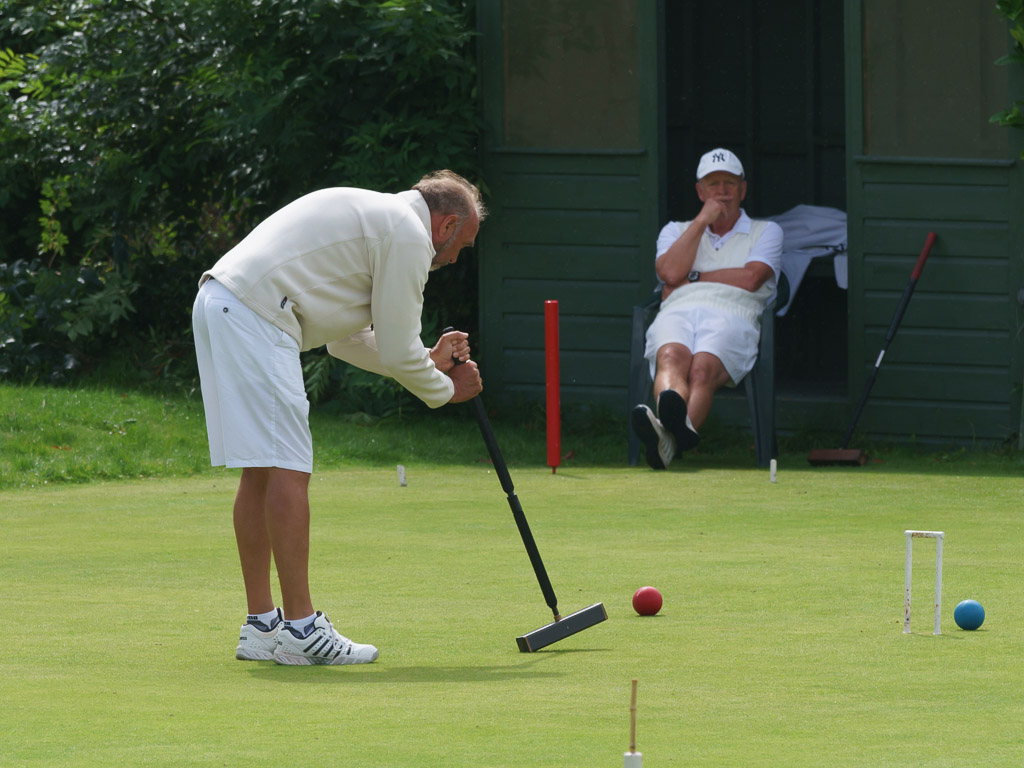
(719, 271)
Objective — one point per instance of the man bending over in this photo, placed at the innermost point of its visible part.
(343, 267)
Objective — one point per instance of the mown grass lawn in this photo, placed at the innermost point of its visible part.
(780, 641)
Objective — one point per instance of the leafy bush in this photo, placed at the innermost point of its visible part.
(1013, 11)
(156, 134)
(51, 322)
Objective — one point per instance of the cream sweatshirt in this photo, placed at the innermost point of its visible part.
(330, 264)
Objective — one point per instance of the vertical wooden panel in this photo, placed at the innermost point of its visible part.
(953, 371)
(574, 213)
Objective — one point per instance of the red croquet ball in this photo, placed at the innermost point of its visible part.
(647, 601)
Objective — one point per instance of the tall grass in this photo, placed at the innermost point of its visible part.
(63, 435)
(77, 435)
(54, 435)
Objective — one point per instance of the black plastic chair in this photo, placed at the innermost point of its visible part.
(759, 383)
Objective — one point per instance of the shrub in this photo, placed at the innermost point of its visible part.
(1013, 11)
(52, 321)
(155, 134)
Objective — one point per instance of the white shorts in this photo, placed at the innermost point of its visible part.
(257, 414)
(731, 339)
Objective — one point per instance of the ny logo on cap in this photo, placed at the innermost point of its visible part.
(718, 157)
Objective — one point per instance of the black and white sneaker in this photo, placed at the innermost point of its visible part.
(672, 412)
(659, 444)
(258, 641)
(319, 643)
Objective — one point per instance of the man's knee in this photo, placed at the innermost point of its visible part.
(674, 357)
(290, 480)
(255, 478)
(273, 480)
(707, 371)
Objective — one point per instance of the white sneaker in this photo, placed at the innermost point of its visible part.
(320, 643)
(659, 444)
(257, 641)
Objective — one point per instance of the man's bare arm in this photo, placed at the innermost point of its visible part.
(676, 263)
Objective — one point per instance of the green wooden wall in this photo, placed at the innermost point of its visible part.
(577, 199)
(571, 220)
(953, 371)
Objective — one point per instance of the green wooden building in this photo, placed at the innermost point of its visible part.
(597, 111)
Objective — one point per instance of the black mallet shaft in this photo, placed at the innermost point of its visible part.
(501, 470)
(561, 627)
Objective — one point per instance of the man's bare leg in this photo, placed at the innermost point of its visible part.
(707, 376)
(250, 519)
(287, 519)
(672, 370)
(695, 379)
(272, 516)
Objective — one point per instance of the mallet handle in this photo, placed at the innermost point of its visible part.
(517, 510)
(487, 432)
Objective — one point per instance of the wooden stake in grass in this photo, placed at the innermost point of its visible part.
(633, 759)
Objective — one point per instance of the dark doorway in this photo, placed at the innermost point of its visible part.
(765, 79)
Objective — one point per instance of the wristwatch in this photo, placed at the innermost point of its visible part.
(694, 276)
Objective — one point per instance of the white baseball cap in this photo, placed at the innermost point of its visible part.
(719, 160)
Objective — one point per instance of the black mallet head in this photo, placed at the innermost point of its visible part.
(562, 628)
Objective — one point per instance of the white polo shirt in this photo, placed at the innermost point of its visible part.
(330, 264)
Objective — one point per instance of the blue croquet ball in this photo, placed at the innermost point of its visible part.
(969, 614)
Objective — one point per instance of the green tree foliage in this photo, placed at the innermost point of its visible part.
(140, 139)
(1013, 11)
